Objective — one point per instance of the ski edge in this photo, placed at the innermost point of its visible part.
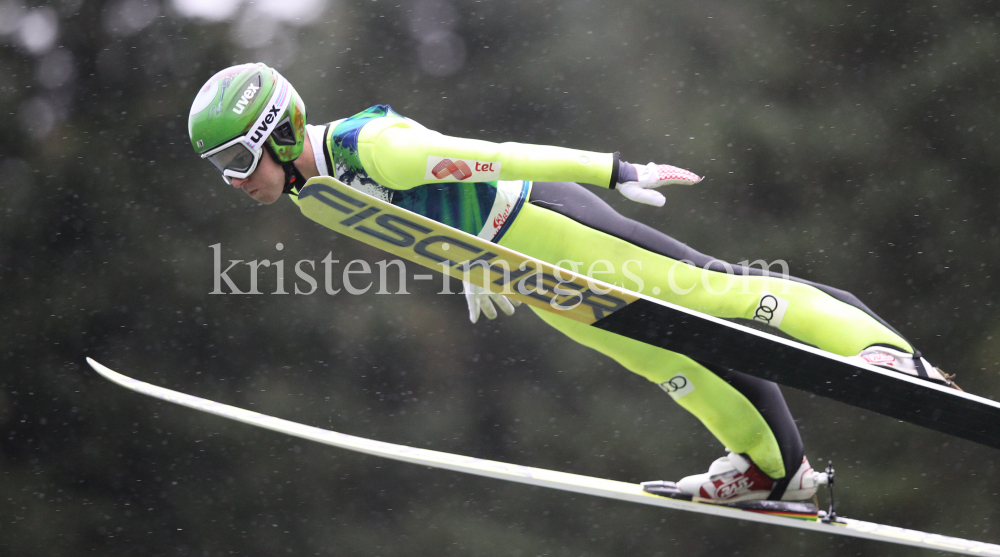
(563, 481)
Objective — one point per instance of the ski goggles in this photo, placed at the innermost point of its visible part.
(238, 158)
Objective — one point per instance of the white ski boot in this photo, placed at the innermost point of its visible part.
(904, 362)
(735, 478)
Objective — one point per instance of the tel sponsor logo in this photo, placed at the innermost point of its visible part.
(248, 94)
(447, 167)
(460, 170)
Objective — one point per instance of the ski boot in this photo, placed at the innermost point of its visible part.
(904, 362)
(735, 478)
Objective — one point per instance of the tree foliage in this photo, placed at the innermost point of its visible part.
(855, 141)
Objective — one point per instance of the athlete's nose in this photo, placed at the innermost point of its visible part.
(238, 182)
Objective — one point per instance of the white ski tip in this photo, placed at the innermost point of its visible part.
(104, 370)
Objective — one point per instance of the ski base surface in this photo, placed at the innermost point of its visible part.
(622, 491)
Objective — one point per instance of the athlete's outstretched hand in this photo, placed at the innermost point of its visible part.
(653, 176)
(482, 300)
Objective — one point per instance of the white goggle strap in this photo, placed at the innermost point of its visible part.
(269, 118)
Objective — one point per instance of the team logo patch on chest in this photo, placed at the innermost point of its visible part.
(461, 170)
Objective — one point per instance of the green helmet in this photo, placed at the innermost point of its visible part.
(239, 111)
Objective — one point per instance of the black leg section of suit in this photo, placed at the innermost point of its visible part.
(766, 397)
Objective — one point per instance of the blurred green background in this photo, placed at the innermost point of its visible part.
(856, 141)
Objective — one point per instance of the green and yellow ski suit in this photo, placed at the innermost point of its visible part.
(459, 181)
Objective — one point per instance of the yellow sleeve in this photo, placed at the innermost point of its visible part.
(399, 154)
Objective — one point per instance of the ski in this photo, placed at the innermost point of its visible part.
(795, 515)
(701, 337)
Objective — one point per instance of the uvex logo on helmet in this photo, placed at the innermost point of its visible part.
(253, 87)
(272, 115)
(248, 94)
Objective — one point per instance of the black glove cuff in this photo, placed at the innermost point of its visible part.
(614, 171)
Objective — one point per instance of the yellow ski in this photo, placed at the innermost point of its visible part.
(701, 337)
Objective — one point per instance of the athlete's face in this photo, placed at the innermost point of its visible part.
(265, 183)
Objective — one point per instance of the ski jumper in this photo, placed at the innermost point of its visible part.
(528, 198)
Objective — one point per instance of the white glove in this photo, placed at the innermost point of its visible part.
(482, 300)
(653, 176)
